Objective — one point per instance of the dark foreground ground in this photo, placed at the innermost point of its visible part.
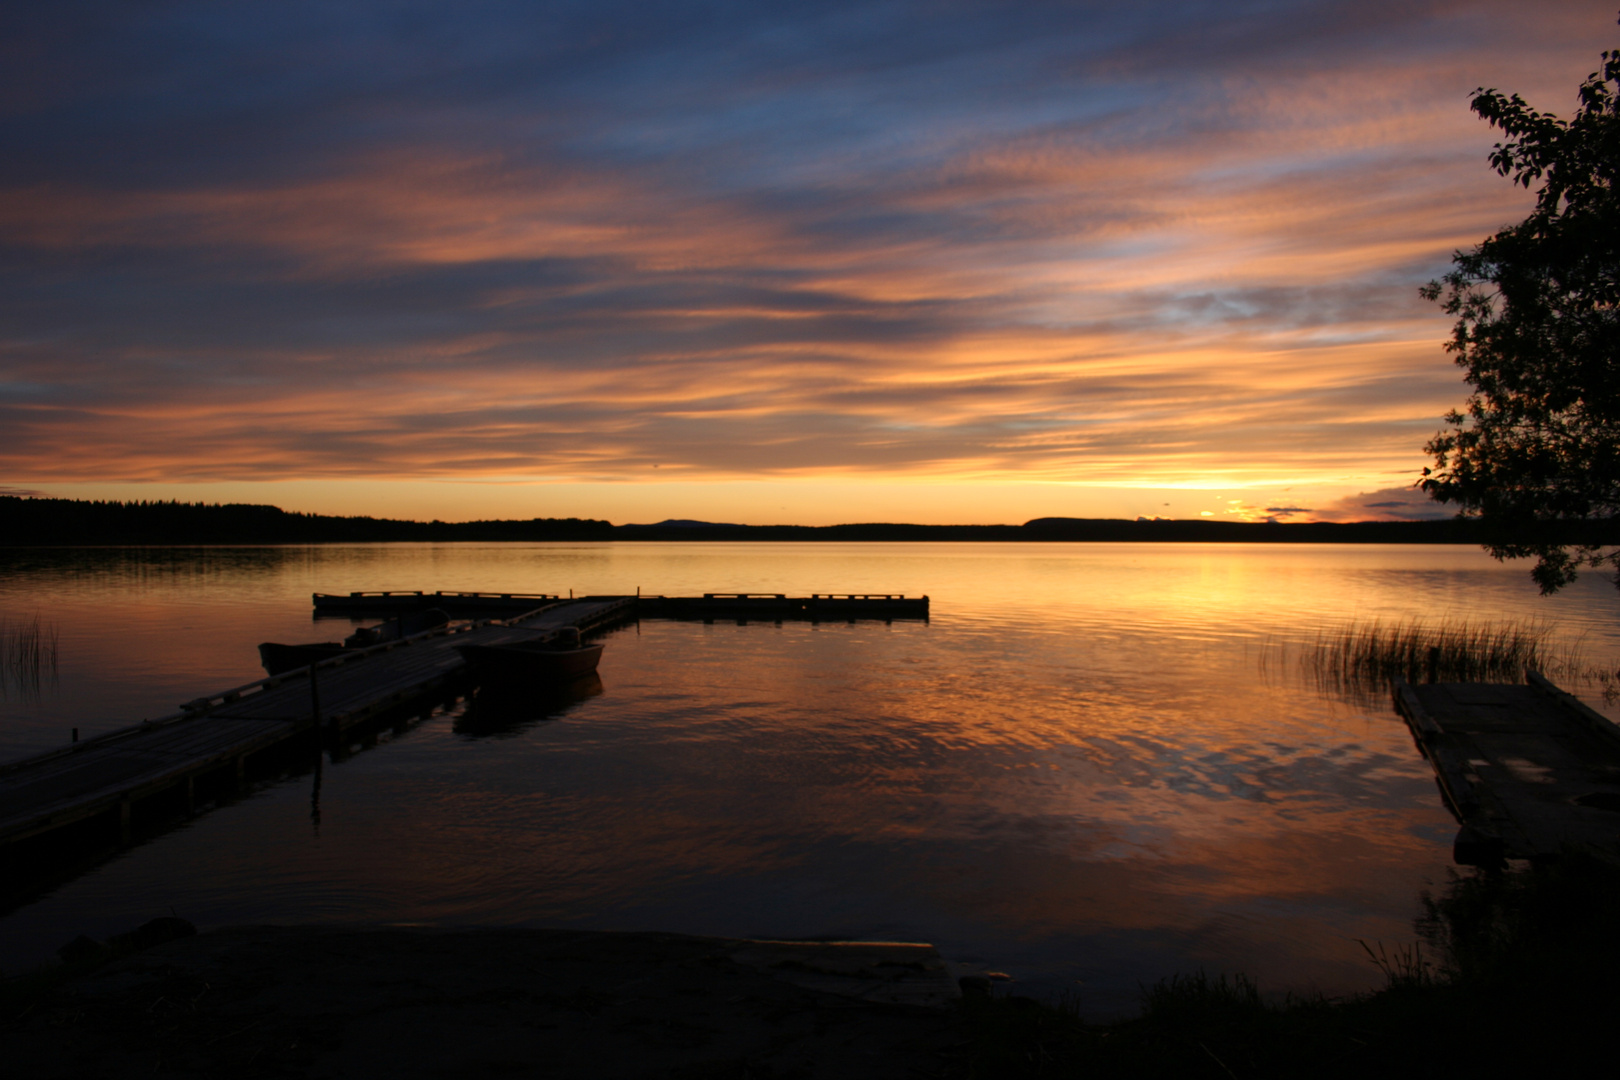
(1515, 974)
(322, 1002)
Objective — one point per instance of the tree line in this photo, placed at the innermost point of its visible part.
(34, 522)
(56, 522)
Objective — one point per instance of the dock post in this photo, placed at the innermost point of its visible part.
(124, 815)
(1434, 663)
(314, 697)
(315, 794)
(191, 794)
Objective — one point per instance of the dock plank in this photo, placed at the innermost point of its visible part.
(72, 788)
(1525, 768)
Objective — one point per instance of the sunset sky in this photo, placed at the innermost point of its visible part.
(934, 262)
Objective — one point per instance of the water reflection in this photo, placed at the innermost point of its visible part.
(95, 568)
(317, 774)
(1074, 771)
(502, 711)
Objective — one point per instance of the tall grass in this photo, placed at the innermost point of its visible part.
(1359, 659)
(27, 654)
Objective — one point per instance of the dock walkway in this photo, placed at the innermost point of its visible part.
(1529, 771)
(111, 772)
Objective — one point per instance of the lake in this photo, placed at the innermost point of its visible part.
(1095, 765)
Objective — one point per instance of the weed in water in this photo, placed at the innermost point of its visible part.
(1358, 660)
(27, 655)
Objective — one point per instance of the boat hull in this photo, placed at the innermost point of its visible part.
(278, 658)
(516, 664)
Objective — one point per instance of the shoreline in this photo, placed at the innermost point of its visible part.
(1512, 975)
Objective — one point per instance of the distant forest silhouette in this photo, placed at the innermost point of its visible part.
(28, 522)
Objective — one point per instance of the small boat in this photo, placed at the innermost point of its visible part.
(559, 658)
(278, 658)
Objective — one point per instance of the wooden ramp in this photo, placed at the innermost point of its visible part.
(111, 772)
(1529, 771)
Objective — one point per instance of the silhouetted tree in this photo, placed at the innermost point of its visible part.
(1537, 333)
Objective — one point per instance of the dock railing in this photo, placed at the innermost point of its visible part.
(858, 596)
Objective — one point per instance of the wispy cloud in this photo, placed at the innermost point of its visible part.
(1158, 246)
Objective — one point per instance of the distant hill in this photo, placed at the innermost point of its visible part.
(684, 523)
(58, 522)
(1453, 530)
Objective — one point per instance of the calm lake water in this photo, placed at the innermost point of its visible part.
(1093, 767)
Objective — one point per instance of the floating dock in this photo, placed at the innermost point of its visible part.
(1529, 771)
(817, 607)
(110, 773)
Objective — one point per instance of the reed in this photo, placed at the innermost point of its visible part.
(27, 653)
(1359, 659)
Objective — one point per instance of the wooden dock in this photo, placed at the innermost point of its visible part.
(1529, 771)
(110, 773)
(216, 735)
(775, 607)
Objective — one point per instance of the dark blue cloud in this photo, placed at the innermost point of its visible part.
(196, 92)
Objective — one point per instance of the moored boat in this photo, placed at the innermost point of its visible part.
(278, 658)
(537, 661)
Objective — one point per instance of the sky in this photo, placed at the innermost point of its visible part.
(933, 262)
